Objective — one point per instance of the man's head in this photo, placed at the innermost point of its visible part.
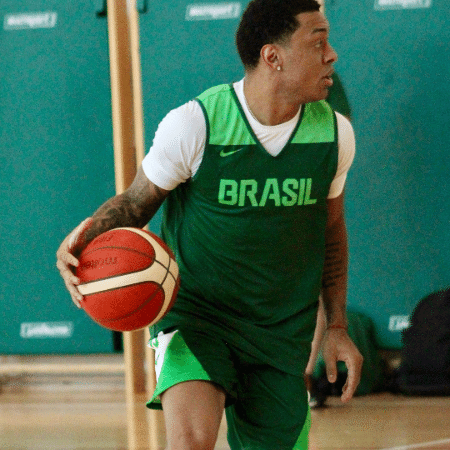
(284, 45)
(268, 22)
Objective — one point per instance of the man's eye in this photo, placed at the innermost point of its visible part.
(318, 44)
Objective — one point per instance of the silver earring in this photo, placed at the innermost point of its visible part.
(278, 67)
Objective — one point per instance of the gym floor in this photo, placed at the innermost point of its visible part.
(65, 412)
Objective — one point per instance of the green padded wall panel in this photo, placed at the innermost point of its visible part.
(56, 165)
(395, 66)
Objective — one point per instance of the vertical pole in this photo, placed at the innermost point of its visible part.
(121, 94)
(125, 171)
(155, 418)
(133, 18)
(322, 3)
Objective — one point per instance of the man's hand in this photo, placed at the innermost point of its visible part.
(338, 346)
(67, 260)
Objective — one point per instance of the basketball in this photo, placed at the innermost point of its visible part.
(129, 279)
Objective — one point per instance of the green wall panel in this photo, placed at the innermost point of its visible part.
(395, 66)
(56, 165)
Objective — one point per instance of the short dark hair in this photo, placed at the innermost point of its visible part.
(267, 22)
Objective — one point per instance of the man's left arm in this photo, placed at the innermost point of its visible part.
(337, 345)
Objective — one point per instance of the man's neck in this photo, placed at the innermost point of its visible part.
(266, 101)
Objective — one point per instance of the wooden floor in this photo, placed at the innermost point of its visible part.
(65, 412)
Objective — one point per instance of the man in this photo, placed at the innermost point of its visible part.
(253, 174)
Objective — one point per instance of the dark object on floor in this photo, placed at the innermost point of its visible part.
(425, 367)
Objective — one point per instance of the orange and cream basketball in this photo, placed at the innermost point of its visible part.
(129, 279)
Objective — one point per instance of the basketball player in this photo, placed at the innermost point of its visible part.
(253, 176)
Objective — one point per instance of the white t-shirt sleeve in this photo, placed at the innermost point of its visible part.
(177, 148)
(346, 144)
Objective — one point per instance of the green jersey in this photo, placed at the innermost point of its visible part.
(248, 233)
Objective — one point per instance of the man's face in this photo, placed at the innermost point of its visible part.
(307, 59)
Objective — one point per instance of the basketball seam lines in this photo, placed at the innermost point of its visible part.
(132, 284)
(160, 288)
(123, 274)
(87, 283)
(122, 248)
(111, 321)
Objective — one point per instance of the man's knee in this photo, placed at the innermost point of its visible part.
(193, 411)
(187, 438)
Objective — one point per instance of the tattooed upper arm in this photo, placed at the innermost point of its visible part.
(335, 210)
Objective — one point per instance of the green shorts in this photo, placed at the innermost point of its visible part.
(265, 408)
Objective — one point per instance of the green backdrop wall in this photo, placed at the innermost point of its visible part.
(56, 165)
(395, 66)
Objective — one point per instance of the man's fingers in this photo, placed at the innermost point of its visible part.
(353, 379)
(65, 252)
(70, 280)
(77, 298)
(332, 372)
(77, 234)
(66, 261)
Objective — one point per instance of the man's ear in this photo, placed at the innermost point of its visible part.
(270, 56)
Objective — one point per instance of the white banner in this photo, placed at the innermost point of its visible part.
(213, 11)
(402, 4)
(28, 21)
(46, 330)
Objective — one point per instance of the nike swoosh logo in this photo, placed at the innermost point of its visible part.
(224, 153)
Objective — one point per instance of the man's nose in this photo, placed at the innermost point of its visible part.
(330, 55)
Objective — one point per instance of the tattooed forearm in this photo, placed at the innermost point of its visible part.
(334, 282)
(134, 208)
(335, 267)
(334, 277)
(116, 212)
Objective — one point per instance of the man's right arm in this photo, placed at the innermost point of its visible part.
(134, 208)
